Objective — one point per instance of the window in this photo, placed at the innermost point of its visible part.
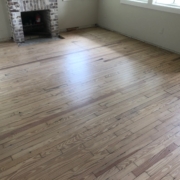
(173, 3)
(142, 1)
(162, 5)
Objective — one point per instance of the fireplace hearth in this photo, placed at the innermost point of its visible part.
(33, 17)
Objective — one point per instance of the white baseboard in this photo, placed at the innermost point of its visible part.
(5, 39)
(80, 27)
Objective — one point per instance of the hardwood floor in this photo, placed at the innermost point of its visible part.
(95, 105)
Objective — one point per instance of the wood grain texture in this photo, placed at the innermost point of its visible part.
(167, 177)
(162, 154)
(95, 105)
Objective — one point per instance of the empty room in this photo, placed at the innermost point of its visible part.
(89, 89)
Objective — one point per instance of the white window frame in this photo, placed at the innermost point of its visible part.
(151, 5)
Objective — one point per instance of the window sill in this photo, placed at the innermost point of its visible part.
(135, 3)
(158, 7)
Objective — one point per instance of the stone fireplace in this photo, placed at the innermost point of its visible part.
(19, 10)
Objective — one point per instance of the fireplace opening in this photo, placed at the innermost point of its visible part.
(36, 24)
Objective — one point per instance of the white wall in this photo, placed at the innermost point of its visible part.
(81, 13)
(5, 33)
(156, 27)
(75, 13)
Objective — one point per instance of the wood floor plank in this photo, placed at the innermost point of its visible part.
(165, 169)
(175, 174)
(143, 176)
(167, 177)
(129, 176)
(157, 146)
(162, 163)
(124, 173)
(162, 154)
(95, 105)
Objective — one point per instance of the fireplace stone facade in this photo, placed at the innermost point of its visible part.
(15, 8)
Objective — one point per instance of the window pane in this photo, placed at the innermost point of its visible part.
(177, 2)
(168, 2)
(165, 1)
